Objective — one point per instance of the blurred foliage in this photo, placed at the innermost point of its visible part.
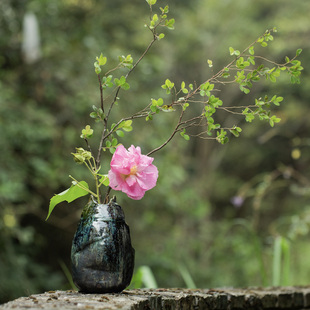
(217, 210)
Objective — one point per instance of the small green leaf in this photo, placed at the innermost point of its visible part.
(251, 50)
(97, 68)
(117, 82)
(87, 132)
(298, 52)
(184, 135)
(170, 23)
(101, 60)
(125, 86)
(161, 36)
(126, 126)
(114, 142)
(232, 52)
(185, 106)
(104, 180)
(151, 2)
(74, 192)
(120, 133)
(244, 89)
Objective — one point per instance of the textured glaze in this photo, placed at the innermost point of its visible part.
(102, 256)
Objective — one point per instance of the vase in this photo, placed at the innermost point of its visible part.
(102, 256)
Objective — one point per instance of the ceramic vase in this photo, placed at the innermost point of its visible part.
(102, 256)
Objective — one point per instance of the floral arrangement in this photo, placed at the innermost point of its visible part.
(134, 173)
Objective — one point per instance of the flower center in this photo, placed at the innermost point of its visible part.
(133, 170)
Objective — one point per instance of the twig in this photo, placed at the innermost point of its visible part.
(176, 129)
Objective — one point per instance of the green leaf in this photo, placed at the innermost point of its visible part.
(125, 86)
(184, 135)
(117, 82)
(170, 23)
(251, 50)
(185, 106)
(160, 101)
(236, 131)
(101, 60)
(161, 36)
(126, 126)
(97, 67)
(104, 180)
(251, 60)
(87, 132)
(298, 52)
(244, 89)
(114, 142)
(234, 52)
(120, 133)
(69, 195)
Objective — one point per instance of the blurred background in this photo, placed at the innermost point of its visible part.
(221, 215)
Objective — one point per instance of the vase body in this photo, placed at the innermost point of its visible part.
(102, 256)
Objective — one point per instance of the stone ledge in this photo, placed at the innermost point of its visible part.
(170, 299)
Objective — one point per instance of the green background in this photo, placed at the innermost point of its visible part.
(186, 230)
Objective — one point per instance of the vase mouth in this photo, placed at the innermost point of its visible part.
(109, 212)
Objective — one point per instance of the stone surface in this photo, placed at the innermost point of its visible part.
(171, 299)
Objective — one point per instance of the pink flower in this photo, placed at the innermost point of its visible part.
(131, 172)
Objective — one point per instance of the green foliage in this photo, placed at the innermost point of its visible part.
(98, 114)
(76, 191)
(168, 86)
(121, 83)
(43, 108)
(88, 132)
(281, 262)
(143, 277)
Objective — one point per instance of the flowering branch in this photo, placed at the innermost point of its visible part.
(134, 173)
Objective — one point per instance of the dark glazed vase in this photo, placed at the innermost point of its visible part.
(102, 256)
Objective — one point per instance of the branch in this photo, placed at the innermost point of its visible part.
(104, 135)
(101, 93)
(176, 129)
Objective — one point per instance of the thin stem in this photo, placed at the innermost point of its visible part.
(106, 199)
(176, 129)
(97, 189)
(104, 136)
(101, 93)
(88, 145)
(134, 66)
